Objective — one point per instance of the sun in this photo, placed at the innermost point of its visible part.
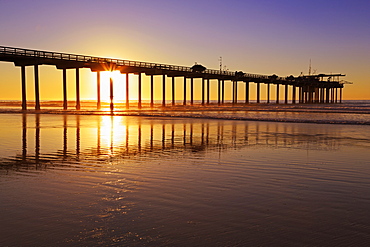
(119, 89)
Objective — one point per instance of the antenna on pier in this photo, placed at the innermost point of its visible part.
(309, 68)
(220, 60)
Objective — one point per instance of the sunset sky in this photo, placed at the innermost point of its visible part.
(255, 36)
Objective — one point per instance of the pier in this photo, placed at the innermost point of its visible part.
(312, 89)
(147, 138)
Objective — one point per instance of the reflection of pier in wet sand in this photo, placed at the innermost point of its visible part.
(112, 137)
(169, 181)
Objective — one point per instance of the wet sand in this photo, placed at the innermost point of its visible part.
(77, 180)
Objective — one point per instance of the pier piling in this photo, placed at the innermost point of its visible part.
(37, 88)
(191, 91)
(139, 91)
(151, 90)
(247, 92)
(127, 92)
(184, 90)
(98, 105)
(111, 94)
(164, 90)
(24, 91)
(78, 104)
(173, 90)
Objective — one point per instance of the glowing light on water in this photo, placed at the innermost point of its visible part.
(112, 132)
(119, 89)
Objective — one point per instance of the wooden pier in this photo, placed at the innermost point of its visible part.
(320, 88)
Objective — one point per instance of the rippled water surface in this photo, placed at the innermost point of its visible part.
(68, 180)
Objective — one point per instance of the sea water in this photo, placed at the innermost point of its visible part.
(348, 112)
(117, 180)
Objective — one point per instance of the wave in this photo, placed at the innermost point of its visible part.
(350, 112)
(360, 119)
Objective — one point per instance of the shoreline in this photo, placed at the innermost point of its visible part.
(273, 107)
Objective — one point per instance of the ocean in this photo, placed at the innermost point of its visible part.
(349, 112)
(256, 175)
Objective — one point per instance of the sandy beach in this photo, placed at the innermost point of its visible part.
(161, 181)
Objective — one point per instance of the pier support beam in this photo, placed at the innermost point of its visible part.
(37, 89)
(98, 105)
(111, 94)
(247, 92)
(164, 90)
(312, 93)
(191, 91)
(258, 92)
(203, 91)
(139, 91)
(327, 95)
(173, 90)
(336, 95)
(309, 94)
(268, 93)
(294, 91)
(208, 91)
(332, 95)
(322, 95)
(24, 94)
(286, 94)
(223, 91)
(233, 92)
(340, 94)
(151, 90)
(219, 91)
(184, 90)
(127, 92)
(78, 103)
(277, 93)
(236, 92)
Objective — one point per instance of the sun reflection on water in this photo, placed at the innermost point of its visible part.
(111, 132)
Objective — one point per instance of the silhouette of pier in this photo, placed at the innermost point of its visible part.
(319, 88)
